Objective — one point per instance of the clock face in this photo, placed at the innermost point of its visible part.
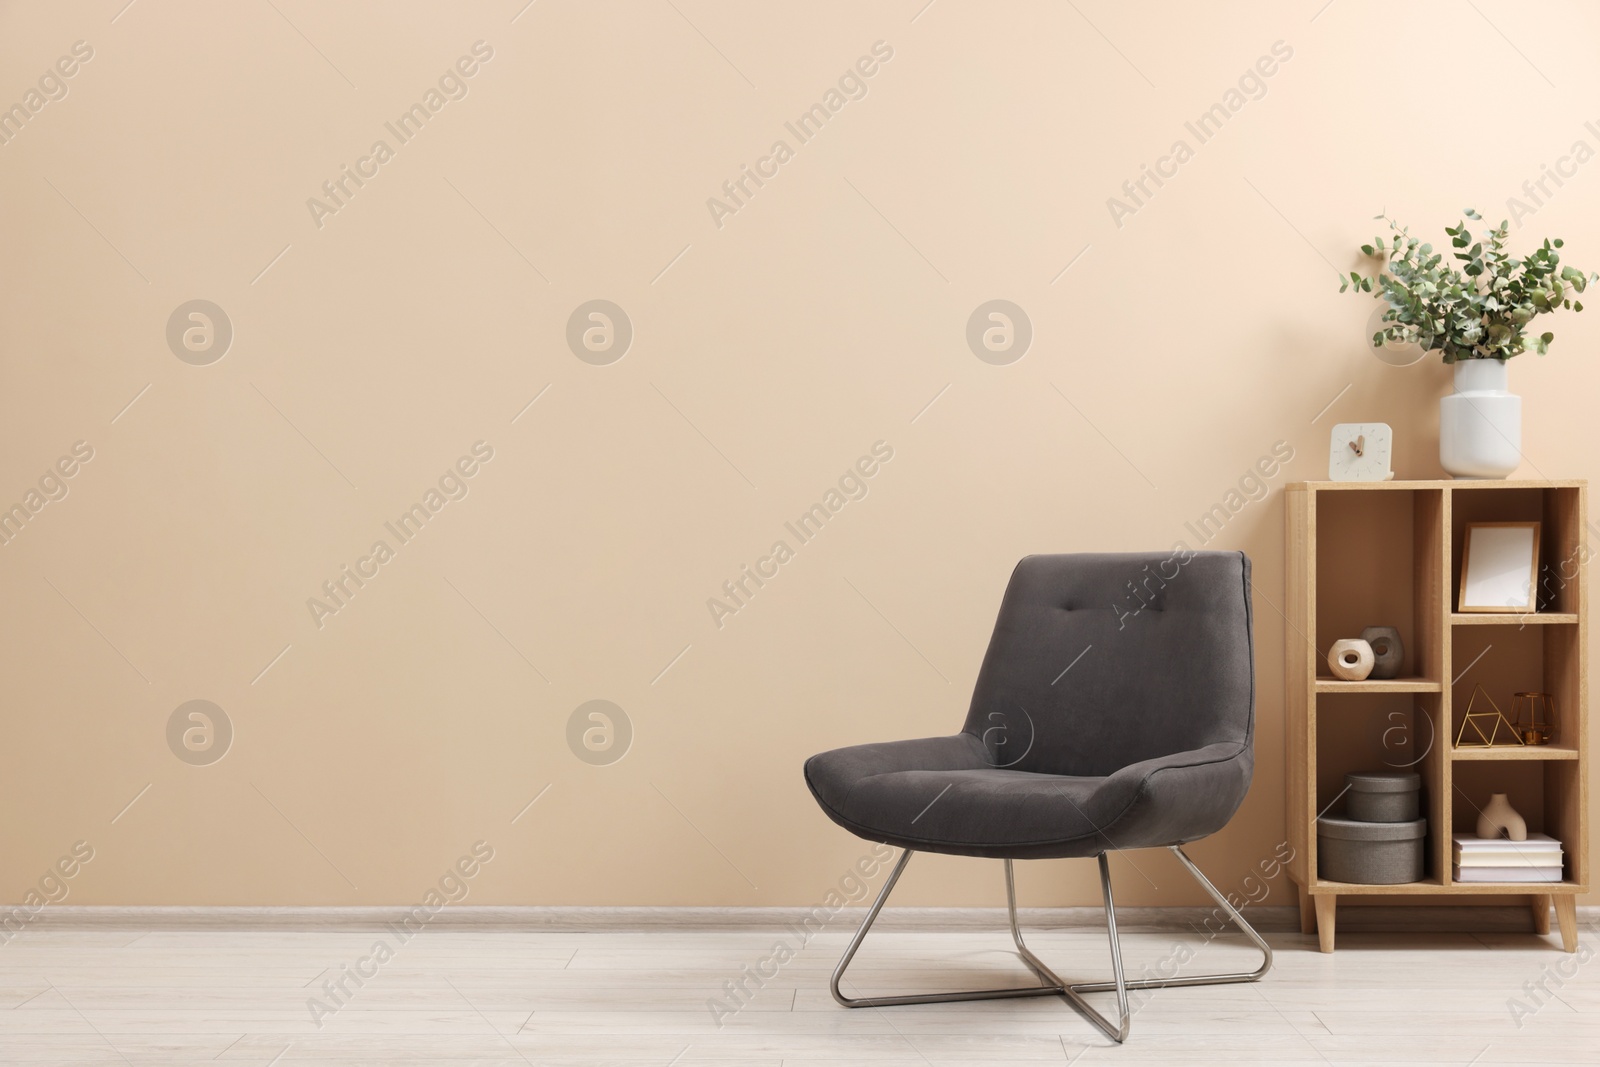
(1360, 452)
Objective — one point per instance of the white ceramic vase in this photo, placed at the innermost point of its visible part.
(1498, 815)
(1480, 424)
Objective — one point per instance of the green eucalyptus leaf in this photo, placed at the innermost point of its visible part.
(1474, 307)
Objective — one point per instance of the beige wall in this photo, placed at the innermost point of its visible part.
(769, 352)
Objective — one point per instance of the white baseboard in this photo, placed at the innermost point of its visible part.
(584, 918)
(1268, 919)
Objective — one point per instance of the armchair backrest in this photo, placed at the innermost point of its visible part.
(1101, 660)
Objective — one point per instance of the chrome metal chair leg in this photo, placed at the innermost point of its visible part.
(917, 998)
(1054, 985)
(1198, 979)
(1117, 1032)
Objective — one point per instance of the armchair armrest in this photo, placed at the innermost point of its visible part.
(1182, 796)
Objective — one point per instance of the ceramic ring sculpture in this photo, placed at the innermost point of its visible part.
(1387, 651)
(1350, 659)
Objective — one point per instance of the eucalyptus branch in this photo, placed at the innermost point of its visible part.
(1478, 310)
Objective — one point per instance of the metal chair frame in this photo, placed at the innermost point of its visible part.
(1053, 984)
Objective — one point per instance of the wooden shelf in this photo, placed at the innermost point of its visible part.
(1433, 887)
(1379, 685)
(1512, 888)
(1437, 483)
(1514, 752)
(1427, 885)
(1361, 554)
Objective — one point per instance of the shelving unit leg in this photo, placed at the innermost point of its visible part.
(1308, 913)
(1567, 916)
(1327, 902)
(1539, 904)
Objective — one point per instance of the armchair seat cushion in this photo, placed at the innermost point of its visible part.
(944, 794)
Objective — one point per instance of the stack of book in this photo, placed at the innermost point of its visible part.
(1497, 859)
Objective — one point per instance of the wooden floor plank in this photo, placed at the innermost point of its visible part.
(692, 996)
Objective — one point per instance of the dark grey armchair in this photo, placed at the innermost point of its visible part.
(1114, 710)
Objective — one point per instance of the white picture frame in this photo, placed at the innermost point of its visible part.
(1499, 567)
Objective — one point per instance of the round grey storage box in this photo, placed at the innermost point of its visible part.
(1383, 796)
(1370, 853)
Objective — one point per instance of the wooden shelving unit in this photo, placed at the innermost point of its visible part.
(1388, 553)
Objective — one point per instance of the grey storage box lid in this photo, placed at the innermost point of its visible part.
(1384, 781)
(1352, 830)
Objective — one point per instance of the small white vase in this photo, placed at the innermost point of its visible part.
(1480, 424)
(1499, 815)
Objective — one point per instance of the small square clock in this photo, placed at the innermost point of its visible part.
(1360, 452)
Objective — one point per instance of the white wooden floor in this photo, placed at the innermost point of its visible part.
(639, 997)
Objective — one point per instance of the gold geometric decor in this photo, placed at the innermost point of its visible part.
(1493, 720)
(1540, 708)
